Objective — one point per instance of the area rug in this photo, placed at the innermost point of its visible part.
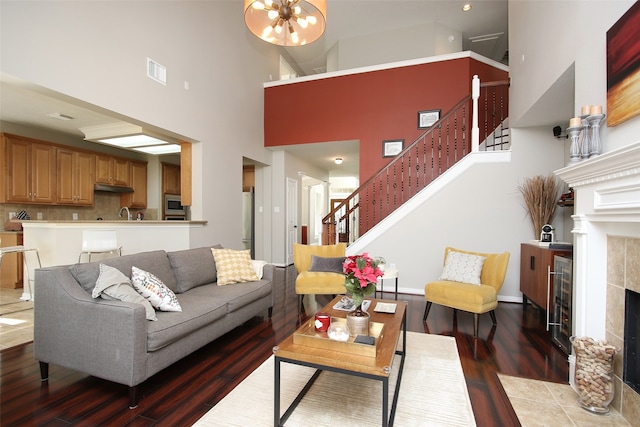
(545, 403)
(432, 392)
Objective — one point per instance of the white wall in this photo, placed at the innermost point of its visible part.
(546, 37)
(95, 52)
(420, 41)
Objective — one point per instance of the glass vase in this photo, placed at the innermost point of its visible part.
(594, 373)
(358, 322)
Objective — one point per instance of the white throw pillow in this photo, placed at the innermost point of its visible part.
(113, 285)
(234, 266)
(461, 267)
(154, 290)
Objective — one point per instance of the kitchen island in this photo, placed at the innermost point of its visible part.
(60, 242)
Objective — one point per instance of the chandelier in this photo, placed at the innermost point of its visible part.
(286, 22)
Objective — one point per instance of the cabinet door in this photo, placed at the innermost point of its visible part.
(170, 179)
(85, 166)
(75, 177)
(121, 172)
(65, 193)
(43, 178)
(104, 169)
(18, 171)
(137, 199)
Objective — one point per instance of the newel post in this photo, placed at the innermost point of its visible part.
(475, 131)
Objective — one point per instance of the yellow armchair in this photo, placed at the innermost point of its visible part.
(317, 282)
(477, 299)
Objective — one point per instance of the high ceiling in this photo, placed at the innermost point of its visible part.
(345, 19)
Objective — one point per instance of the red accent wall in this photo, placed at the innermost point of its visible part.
(369, 107)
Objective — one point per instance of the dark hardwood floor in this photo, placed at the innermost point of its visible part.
(184, 392)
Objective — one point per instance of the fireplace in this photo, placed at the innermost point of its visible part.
(631, 354)
(606, 229)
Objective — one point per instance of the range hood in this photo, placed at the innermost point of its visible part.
(112, 188)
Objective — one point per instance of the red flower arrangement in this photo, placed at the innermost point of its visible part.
(361, 276)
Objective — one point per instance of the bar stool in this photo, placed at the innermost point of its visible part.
(29, 295)
(99, 242)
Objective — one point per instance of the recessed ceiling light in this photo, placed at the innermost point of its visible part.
(159, 149)
(466, 7)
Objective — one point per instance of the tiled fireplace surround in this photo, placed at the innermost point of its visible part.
(607, 253)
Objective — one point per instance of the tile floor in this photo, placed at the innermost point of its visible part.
(16, 318)
(542, 403)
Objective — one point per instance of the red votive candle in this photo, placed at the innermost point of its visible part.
(323, 320)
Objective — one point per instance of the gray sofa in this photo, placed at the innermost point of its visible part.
(113, 340)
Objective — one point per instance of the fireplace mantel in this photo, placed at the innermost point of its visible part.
(614, 179)
(607, 202)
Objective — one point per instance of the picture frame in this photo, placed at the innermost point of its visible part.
(427, 118)
(391, 147)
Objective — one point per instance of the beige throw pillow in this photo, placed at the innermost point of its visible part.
(234, 266)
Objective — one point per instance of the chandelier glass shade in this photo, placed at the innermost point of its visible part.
(286, 22)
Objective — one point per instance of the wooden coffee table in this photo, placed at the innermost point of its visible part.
(345, 361)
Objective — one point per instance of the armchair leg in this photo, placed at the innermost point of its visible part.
(492, 313)
(44, 371)
(426, 311)
(300, 296)
(475, 324)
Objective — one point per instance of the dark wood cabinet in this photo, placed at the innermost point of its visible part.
(536, 284)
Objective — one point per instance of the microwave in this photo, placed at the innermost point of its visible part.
(173, 205)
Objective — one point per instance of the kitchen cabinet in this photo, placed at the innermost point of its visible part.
(137, 199)
(31, 171)
(76, 175)
(170, 179)
(536, 281)
(11, 271)
(113, 170)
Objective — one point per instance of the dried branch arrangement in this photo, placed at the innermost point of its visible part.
(541, 196)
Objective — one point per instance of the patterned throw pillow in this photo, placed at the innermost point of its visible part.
(156, 292)
(112, 284)
(234, 266)
(465, 268)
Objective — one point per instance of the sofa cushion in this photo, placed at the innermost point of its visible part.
(197, 313)
(193, 267)
(156, 292)
(234, 266)
(236, 296)
(112, 284)
(155, 262)
(462, 267)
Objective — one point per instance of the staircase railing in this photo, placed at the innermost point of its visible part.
(446, 142)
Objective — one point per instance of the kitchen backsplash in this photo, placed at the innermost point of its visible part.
(106, 206)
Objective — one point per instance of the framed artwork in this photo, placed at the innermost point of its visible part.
(623, 67)
(391, 148)
(427, 118)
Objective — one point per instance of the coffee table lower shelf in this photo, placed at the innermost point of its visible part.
(384, 379)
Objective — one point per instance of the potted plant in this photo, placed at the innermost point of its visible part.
(541, 194)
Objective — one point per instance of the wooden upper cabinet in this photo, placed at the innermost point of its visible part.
(170, 179)
(137, 199)
(113, 170)
(76, 176)
(31, 171)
